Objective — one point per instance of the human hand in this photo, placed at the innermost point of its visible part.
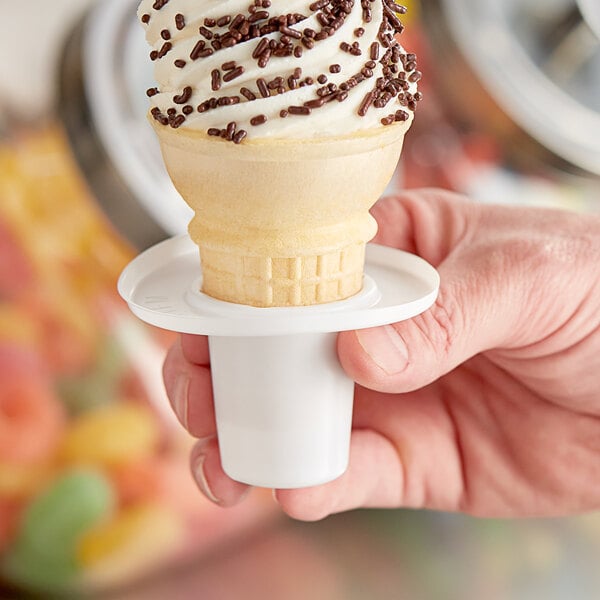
(486, 404)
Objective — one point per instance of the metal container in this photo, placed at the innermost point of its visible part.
(104, 73)
(526, 71)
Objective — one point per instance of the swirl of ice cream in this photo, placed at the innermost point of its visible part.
(236, 71)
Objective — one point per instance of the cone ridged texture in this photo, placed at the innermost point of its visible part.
(268, 281)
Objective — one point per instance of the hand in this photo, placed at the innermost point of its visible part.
(489, 403)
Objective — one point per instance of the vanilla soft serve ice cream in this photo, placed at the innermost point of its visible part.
(269, 65)
(281, 123)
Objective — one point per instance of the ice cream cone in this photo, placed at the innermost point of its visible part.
(282, 222)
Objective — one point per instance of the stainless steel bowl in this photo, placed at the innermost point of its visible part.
(103, 75)
(524, 70)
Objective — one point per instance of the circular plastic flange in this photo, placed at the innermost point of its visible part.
(162, 287)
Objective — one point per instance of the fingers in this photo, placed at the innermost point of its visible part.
(405, 452)
(409, 355)
(406, 356)
(430, 223)
(188, 383)
(374, 478)
(195, 349)
(212, 481)
(189, 386)
(471, 314)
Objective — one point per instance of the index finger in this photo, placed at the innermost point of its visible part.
(195, 349)
(429, 222)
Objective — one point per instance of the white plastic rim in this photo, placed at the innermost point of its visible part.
(161, 288)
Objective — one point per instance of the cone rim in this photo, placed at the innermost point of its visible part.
(356, 142)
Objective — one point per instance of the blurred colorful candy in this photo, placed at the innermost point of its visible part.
(31, 416)
(21, 482)
(43, 555)
(138, 481)
(164, 479)
(16, 325)
(9, 518)
(67, 335)
(111, 435)
(59, 261)
(16, 270)
(23, 567)
(178, 489)
(64, 511)
(95, 387)
(134, 541)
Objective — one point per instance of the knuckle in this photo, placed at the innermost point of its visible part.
(440, 324)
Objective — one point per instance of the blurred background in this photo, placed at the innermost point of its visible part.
(95, 496)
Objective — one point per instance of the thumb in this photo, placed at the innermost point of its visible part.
(479, 307)
(406, 356)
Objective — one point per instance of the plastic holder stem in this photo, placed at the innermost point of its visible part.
(283, 403)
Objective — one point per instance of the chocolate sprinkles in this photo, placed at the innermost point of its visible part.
(262, 88)
(234, 74)
(184, 96)
(299, 110)
(365, 104)
(215, 80)
(248, 94)
(386, 75)
(258, 120)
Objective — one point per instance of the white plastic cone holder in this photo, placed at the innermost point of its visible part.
(283, 404)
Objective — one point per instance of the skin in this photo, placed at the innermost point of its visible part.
(487, 404)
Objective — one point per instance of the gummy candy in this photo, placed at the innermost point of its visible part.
(111, 435)
(43, 555)
(133, 541)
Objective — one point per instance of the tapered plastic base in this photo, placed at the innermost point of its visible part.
(284, 409)
(283, 403)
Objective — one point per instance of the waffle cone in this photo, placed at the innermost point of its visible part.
(282, 222)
